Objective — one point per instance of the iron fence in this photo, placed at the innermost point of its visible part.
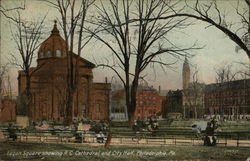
(238, 139)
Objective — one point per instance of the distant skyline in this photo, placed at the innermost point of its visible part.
(218, 49)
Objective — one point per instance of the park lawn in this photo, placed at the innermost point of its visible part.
(184, 127)
(77, 152)
(233, 125)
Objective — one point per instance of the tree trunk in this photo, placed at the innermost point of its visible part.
(133, 101)
(249, 65)
(0, 93)
(127, 90)
(70, 86)
(131, 119)
(248, 45)
(184, 111)
(108, 142)
(195, 111)
(27, 94)
(69, 110)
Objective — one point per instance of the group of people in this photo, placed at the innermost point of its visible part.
(210, 138)
(101, 130)
(150, 124)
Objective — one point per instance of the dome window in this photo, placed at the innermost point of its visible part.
(58, 53)
(49, 53)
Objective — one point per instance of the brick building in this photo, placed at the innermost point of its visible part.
(229, 99)
(148, 103)
(49, 82)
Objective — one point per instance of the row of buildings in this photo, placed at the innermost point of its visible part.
(229, 100)
(96, 101)
(49, 95)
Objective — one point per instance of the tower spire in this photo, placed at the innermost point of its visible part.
(185, 74)
(55, 31)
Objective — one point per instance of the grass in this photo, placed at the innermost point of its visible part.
(177, 128)
(234, 125)
(76, 152)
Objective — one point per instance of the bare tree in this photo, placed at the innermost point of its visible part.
(141, 40)
(224, 77)
(225, 74)
(3, 72)
(211, 13)
(61, 93)
(193, 97)
(26, 36)
(6, 11)
(244, 72)
(73, 23)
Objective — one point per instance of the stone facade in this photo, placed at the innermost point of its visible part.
(49, 85)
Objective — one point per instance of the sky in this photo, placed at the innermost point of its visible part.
(218, 50)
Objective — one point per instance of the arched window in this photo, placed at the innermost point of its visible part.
(58, 53)
(49, 53)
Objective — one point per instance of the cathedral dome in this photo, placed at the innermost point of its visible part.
(54, 46)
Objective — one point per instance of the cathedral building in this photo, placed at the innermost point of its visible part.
(49, 85)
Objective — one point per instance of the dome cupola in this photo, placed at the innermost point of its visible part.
(53, 46)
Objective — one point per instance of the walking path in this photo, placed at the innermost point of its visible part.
(127, 141)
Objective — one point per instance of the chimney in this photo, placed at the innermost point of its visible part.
(159, 89)
(106, 80)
